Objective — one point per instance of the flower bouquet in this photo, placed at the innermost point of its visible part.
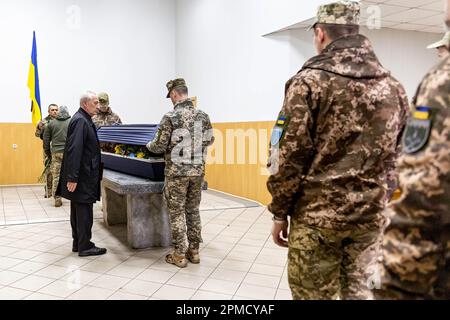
(124, 150)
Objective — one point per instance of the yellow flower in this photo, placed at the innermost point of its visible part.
(118, 149)
(140, 155)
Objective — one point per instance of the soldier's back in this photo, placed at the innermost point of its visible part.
(358, 112)
(184, 156)
(416, 244)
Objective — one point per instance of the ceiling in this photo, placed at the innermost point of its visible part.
(413, 15)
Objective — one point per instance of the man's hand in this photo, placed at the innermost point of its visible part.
(71, 186)
(280, 233)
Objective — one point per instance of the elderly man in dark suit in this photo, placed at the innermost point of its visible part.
(81, 174)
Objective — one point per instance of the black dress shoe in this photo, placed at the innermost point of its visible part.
(74, 249)
(94, 251)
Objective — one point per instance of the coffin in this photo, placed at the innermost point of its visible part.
(123, 144)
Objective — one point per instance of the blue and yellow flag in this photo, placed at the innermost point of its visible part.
(422, 113)
(33, 85)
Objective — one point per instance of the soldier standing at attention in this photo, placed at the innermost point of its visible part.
(40, 128)
(105, 116)
(332, 160)
(416, 244)
(183, 137)
(55, 135)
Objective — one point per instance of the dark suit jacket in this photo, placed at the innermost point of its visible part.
(81, 162)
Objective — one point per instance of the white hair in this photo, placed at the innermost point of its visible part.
(87, 96)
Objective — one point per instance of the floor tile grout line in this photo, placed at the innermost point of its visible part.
(21, 203)
(281, 277)
(133, 254)
(40, 242)
(133, 279)
(214, 269)
(67, 273)
(88, 285)
(226, 254)
(4, 212)
(235, 244)
(3, 206)
(50, 220)
(33, 274)
(254, 260)
(178, 271)
(43, 222)
(48, 264)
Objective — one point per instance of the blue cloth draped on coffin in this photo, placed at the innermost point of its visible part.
(137, 135)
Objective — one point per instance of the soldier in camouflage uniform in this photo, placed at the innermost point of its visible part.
(442, 46)
(416, 246)
(40, 128)
(105, 117)
(183, 137)
(332, 160)
(55, 135)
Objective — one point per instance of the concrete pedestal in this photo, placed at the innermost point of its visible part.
(138, 203)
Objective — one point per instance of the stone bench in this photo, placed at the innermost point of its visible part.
(139, 203)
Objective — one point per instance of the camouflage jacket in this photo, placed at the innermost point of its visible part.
(183, 137)
(334, 145)
(40, 132)
(416, 248)
(108, 118)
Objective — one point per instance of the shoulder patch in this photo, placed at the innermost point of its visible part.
(417, 131)
(422, 113)
(277, 133)
(278, 130)
(281, 121)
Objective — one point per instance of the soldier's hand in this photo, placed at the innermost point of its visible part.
(71, 186)
(280, 233)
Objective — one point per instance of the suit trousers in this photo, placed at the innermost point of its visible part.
(81, 220)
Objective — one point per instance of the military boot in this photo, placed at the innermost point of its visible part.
(176, 259)
(58, 202)
(193, 256)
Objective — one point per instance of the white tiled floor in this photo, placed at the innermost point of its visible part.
(238, 258)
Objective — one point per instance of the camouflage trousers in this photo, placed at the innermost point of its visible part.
(183, 196)
(48, 180)
(408, 272)
(390, 293)
(55, 168)
(326, 264)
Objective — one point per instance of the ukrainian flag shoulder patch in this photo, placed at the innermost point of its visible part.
(281, 121)
(422, 113)
(418, 130)
(278, 130)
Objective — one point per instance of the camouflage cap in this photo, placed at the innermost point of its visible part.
(103, 98)
(340, 12)
(445, 41)
(172, 84)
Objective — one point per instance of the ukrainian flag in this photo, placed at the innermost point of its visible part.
(422, 113)
(33, 85)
